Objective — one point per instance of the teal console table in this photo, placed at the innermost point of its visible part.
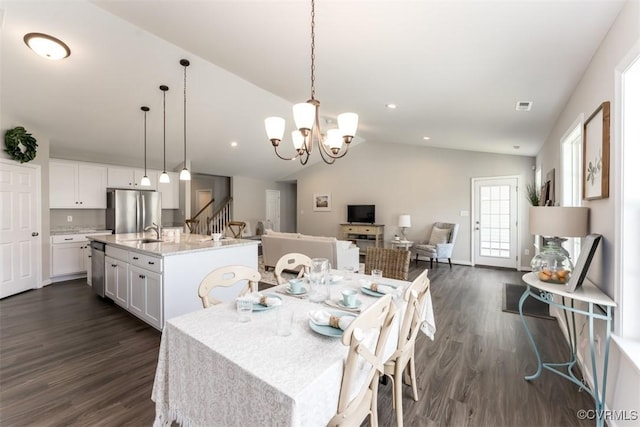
(590, 295)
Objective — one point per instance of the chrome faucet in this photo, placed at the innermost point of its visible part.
(157, 228)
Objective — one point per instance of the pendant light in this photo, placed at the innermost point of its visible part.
(145, 181)
(185, 175)
(164, 176)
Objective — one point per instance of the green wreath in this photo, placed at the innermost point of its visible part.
(20, 144)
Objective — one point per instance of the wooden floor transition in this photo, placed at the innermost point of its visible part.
(69, 358)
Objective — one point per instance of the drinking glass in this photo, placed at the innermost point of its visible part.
(318, 280)
(348, 272)
(244, 307)
(376, 274)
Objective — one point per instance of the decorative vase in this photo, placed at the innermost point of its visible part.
(552, 264)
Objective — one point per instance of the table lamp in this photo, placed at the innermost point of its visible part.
(556, 223)
(404, 222)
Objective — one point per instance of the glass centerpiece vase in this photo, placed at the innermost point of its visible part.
(552, 264)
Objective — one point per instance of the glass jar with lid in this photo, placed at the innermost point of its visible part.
(552, 264)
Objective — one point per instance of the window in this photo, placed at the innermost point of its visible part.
(571, 144)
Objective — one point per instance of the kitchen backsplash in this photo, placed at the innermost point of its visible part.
(96, 218)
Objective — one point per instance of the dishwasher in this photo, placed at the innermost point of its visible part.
(97, 267)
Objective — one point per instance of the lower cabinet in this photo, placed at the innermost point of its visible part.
(86, 254)
(116, 274)
(145, 291)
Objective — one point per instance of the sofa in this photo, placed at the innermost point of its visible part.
(340, 253)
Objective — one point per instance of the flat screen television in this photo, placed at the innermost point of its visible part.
(361, 213)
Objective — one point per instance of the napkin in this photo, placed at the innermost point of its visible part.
(324, 318)
(380, 288)
(258, 298)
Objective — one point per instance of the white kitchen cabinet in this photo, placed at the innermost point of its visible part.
(86, 254)
(77, 185)
(68, 258)
(170, 193)
(116, 276)
(119, 177)
(145, 290)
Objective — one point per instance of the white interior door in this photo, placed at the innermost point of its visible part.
(273, 209)
(495, 222)
(19, 227)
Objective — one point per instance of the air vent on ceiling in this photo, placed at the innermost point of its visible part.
(523, 105)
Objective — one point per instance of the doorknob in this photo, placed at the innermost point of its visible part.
(35, 233)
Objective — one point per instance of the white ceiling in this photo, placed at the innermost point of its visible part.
(455, 69)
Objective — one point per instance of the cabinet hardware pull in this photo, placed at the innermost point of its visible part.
(151, 262)
(89, 256)
(69, 238)
(141, 276)
(114, 265)
(135, 257)
(35, 233)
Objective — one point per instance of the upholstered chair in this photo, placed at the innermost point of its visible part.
(440, 243)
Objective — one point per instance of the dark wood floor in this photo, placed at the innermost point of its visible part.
(70, 358)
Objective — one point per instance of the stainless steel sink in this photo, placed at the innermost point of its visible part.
(145, 240)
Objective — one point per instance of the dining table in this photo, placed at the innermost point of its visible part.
(214, 370)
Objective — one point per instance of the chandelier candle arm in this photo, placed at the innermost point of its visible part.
(145, 181)
(185, 175)
(164, 176)
(305, 116)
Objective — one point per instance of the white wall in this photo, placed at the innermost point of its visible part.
(596, 86)
(430, 184)
(250, 203)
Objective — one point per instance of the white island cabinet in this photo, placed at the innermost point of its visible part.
(162, 279)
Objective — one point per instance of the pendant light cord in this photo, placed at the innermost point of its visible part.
(145, 143)
(185, 116)
(313, 49)
(164, 129)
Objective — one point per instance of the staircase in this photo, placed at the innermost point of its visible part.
(214, 224)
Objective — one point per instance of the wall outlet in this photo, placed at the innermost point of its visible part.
(69, 218)
(526, 251)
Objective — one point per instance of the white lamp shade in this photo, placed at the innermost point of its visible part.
(559, 221)
(145, 181)
(298, 139)
(274, 127)
(185, 175)
(304, 115)
(164, 178)
(404, 221)
(334, 138)
(348, 123)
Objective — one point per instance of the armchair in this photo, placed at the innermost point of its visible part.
(440, 243)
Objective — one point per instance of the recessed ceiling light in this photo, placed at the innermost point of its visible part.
(234, 144)
(47, 46)
(391, 106)
(426, 138)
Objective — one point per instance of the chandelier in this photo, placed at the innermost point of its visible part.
(333, 145)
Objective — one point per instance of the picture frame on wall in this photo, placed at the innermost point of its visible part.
(595, 154)
(322, 202)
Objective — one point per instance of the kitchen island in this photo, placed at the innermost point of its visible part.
(158, 280)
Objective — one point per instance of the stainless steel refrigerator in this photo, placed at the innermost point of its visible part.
(130, 211)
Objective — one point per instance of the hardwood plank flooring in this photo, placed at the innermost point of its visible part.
(69, 358)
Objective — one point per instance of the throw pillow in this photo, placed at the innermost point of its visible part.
(439, 235)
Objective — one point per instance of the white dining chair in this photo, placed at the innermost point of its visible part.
(405, 353)
(366, 337)
(225, 277)
(291, 262)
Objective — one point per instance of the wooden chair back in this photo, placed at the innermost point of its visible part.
(291, 261)
(366, 337)
(394, 263)
(236, 228)
(225, 277)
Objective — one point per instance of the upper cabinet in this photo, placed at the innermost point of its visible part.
(130, 178)
(77, 185)
(170, 193)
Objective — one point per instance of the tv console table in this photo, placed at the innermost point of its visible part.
(590, 295)
(369, 233)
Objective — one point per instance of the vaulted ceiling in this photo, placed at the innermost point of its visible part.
(455, 69)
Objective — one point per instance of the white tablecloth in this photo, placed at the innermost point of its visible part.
(215, 371)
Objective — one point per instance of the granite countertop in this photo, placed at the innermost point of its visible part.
(177, 244)
(76, 230)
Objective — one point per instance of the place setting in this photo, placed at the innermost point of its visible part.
(295, 288)
(256, 301)
(349, 301)
(376, 287)
(330, 323)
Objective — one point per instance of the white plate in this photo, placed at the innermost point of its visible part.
(328, 330)
(374, 293)
(303, 291)
(260, 307)
(342, 304)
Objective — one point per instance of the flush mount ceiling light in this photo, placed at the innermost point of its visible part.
(305, 116)
(164, 176)
(47, 46)
(391, 106)
(145, 181)
(185, 175)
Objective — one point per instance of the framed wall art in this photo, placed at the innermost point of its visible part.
(322, 202)
(595, 154)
